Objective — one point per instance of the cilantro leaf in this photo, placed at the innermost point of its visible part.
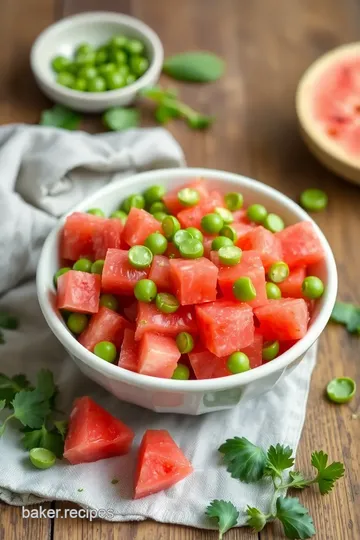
(120, 118)
(297, 480)
(295, 518)
(10, 386)
(45, 383)
(2, 404)
(327, 475)
(347, 314)
(244, 460)
(256, 519)
(199, 121)
(62, 427)
(42, 438)
(9, 322)
(30, 408)
(279, 458)
(61, 117)
(225, 513)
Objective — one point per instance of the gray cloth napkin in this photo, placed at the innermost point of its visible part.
(43, 173)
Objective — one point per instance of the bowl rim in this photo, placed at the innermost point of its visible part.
(117, 373)
(97, 17)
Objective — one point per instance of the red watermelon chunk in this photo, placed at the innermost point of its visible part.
(283, 319)
(138, 226)
(158, 355)
(118, 276)
(241, 230)
(225, 326)
(105, 325)
(254, 351)
(291, 286)
(206, 365)
(161, 464)
(194, 281)
(207, 241)
(129, 354)
(171, 199)
(95, 434)
(160, 273)
(78, 292)
(264, 242)
(300, 244)
(110, 236)
(191, 217)
(150, 319)
(240, 216)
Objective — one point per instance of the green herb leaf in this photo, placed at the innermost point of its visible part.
(9, 322)
(2, 404)
(61, 117)
(297, 480)
(158, 94)
(279, 458)
(200, 121)
(62, 427)
(194, 66)
(245, 461)
(327, 475)
(45, 383)
(42, 438)
(295, 518)
(10, 386)
(225, 513)
(120, 118)
(164, 113)
(347, 314)
(256, 519)
(30, 408)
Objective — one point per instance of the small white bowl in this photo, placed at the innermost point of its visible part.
(167, 395)
(95, 28)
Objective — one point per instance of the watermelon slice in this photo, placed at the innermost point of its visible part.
(95, 434)
(105, 325)
(171, 199)
(78, 292)
(150, 319)
(138, 226)
(300, 244)
(158, 355)
(254, 351)
(291, 286)
(284, 319)
(207, 365)
(191, 217)
(194, 281)
(264, 242)
(129, 354)
(161, 464)
(160, 273)
(118, 276)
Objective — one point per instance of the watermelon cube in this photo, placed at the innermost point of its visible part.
(95, 434)
(194, 281)
(158, 355)
(109, 236)
(78, 292)
(160, 273)
(191, 217)
(225, 326)
(105, 325)
(206, 365)
(254, 351)
(171, 199)
(241, 230)
(150, 319)
(118, 276)
(138, 226)
(283, 319)
(160, 465)
(129, 354)
(240, 216)
(300, 244)
(291, 286)
(264, 242)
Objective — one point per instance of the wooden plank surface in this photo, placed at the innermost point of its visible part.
(267, 46)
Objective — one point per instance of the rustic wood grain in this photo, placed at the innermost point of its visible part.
(267, 46)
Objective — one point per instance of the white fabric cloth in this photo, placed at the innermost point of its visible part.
(43, 172)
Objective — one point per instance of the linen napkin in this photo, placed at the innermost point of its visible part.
(43, 173)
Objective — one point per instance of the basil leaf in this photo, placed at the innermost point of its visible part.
(120, 118)
(61, 117)
(194, 66)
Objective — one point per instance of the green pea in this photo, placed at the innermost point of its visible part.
(84, 48)
(85, 59)
(157, 243)
(270, 350)
(97, 266)
(82, 265)
(167, 303)
(77, 322)
(65, 79)
(229, 232)
(185, 342)
(107, 69)
(60, 63)
(42, 458)
(139, 65)
(119, 57)
(170, 226)
(234, 201)
(212, 223)
(256, 213)
(238, 362)
(96, 212)
(195, 233)
(273, 292)
(80, 85)
(88, 72)
(145, 290)
(180, 237)
(230, 255)
(136, 201)
(341, 390)
(119, 214)
(157, 206)
(124, 71)
(154, 194)
(101, 56)
(273, 223)
(115, 80)
(130, 79)
(313, 200)
(97, 84)
(191, 249)
(221, 241)
(109, 301)
(106, 351)
(118, 41)
(312, 287)
(134, 46)
(278, 272)
(188, 197)
(73, 68)
(225, 214)
(59, 273)
(181, 373)
(244, 289)
(140, 256)
(160, 216)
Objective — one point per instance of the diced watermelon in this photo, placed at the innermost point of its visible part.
(225, 326)
(194, 280)
(150, 319)
(172, 251)
(105, 325)
(110, 236)
(118, 276)
(161, 464)
(240, 216)
(129, 354)
(171, 199)
(254, 351)
(191, 217)
(138, 226)
(160, 273)
(300, 244)
(206, 365)
(158, 355)
(207, 241)
(241, 230)
(283, 319)
(95, 434)
(78, 292)
(130, 310)
(264, 242)
(291, 286)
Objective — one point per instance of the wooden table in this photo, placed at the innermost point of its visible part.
(267, 45)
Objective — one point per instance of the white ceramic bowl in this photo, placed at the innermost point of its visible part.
(96, 28)
(186, 397)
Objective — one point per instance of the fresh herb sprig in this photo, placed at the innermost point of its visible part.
(348, 315)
